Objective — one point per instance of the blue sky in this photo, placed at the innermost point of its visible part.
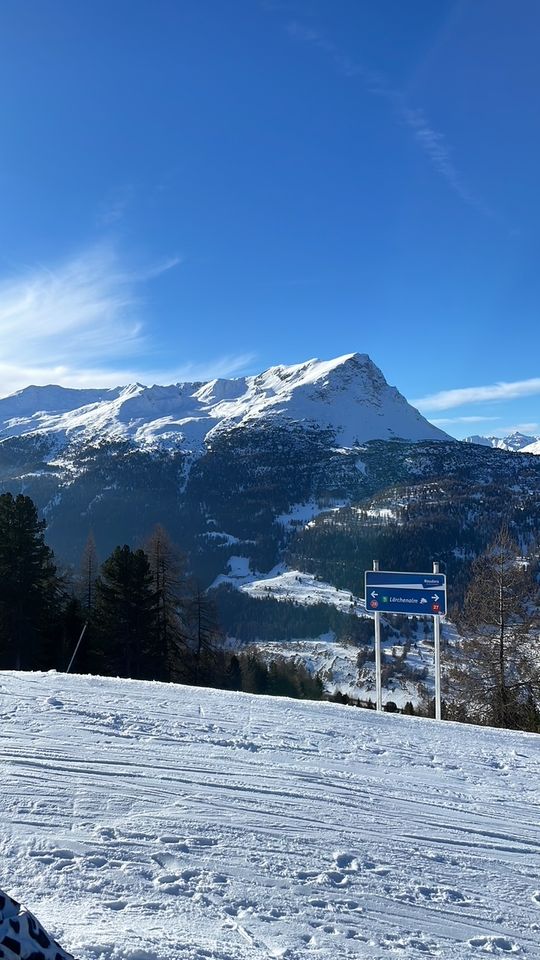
(192, 188)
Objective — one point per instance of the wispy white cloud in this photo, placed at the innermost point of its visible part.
(529, 429)
(435, 146)
(344, 64)
(156, 269)
(448, 399)
(228, 365)
(115, 206)
(431, 141)
(15, 377)
(446, 421)
(85, 304)
(83, 324)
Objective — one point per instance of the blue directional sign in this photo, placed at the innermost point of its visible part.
(421, 594)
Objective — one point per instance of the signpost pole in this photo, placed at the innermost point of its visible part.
(437, 638)
(406, 592)
(378, 680)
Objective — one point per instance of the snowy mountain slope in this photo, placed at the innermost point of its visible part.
(288, 585)
(514, 441)
(336, 664)
(347, 395)
(412, 668)
(533, 447)
(151, 822)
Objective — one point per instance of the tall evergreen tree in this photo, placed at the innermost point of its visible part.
(203, 634)
(167, 570)
(75, 618)
(30, 591)
(126, 609)
(80, 611)
(89, 573)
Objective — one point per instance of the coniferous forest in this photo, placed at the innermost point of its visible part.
(138, 613)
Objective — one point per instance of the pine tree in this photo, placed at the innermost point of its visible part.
(126, 614)
(89, 574)
(254, 674)
(167, 569)
(30, 591)
(203, 631)
(74, 619)
(233, 674)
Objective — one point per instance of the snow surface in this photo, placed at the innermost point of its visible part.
(301, 514)
(281, 583)
(143, 821)
(347, 395)
(533, 447)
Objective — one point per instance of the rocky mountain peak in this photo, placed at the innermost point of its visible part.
(347, 395)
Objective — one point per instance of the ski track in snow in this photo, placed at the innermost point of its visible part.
(153, 822)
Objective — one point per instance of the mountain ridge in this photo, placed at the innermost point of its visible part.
(320, 465)
(516, 442)
(348, 395)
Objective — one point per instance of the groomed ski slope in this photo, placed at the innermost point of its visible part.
(156, 822)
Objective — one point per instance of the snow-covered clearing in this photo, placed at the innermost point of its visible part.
(155, 822)
(301, 514)
(281, 583)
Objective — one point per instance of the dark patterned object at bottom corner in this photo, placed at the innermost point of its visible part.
(22, 937)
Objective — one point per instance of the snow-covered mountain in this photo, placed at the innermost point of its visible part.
(517, 442)
(348, 396)
(292, 466)
(533, 447)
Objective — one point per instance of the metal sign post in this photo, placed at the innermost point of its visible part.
(378, 672)
(417, 594)
(437, 645)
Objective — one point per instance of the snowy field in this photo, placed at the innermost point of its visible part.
(151, 822)
(284, 584)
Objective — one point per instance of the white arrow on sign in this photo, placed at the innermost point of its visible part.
(435, 597)
(374, 594)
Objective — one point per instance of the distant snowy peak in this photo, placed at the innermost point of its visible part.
(533, 447)
(348, 396)
(516, 442)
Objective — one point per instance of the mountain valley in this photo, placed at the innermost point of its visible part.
(313, 470)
